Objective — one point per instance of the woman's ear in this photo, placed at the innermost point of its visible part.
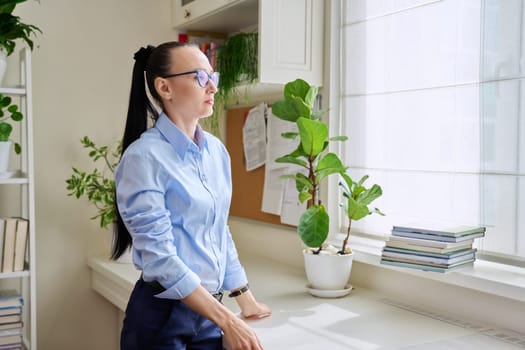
(163, 88)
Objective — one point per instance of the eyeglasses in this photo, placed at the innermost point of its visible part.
(203, 78)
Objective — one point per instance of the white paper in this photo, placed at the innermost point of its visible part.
(277, 146)
(272, 198)
(254, 138)
(292, 208)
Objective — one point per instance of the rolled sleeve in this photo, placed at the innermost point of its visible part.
(235, 275)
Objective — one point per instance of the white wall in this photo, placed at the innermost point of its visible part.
(81, 74)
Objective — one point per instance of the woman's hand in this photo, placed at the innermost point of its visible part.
(250, 308)
(239, 336)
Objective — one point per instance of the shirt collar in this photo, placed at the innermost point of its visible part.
(178, 139)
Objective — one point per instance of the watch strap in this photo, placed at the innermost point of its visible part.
(239, 291)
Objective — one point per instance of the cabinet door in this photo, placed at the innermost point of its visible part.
(291, 41)
(185, 11)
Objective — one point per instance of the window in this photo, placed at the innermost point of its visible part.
(431, 100)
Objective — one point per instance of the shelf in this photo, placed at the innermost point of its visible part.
(22, 197)
(227, 19)
(13, 177)
(18, 274)
(250, 94)
(19, 90)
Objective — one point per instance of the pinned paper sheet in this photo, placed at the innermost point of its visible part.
(254, 138)
(279, 195)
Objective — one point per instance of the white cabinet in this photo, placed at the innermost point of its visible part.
(20, 198)
(290, 32)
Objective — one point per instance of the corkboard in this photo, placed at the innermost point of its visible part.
(247, 185)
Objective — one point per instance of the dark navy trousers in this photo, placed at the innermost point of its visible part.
(162, 324)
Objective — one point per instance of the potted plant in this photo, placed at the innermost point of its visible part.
(8, 111)
(98, 186)
(327, 268)
(11, 29)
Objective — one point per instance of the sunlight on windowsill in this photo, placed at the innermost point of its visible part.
(485, 276)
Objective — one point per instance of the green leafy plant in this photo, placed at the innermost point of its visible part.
(317, 165)
(98, 186)
(237, 63)
(310, 155)
(8, 111)
(358, 198)
(12, 28)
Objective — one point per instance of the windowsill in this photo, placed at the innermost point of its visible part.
(485, 276)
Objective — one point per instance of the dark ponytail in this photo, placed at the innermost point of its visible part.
(153, 62)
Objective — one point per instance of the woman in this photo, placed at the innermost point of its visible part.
(173, 188)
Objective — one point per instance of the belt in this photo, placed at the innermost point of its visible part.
(159, 289)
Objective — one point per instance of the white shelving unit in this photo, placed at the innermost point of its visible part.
(23, 179)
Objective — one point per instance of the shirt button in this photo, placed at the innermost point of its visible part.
(203, 177)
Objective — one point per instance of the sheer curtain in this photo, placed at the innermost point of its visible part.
(431, 100)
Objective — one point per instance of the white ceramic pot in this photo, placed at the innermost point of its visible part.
(3, 63)
(5, 152)
(326, 271)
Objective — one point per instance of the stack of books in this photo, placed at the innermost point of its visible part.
(432, 247)
(14, 233)
(11, 325)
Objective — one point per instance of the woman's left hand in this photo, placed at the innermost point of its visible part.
(256, 311)
(250, 308)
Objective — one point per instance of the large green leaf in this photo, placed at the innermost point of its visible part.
(292, 109)
(349, 184)
(298, 88)
(313, 226)
(302, 182)
(329, 164)
(284, 110)
(5, 101)
(313, 136)
(309, 99)
(369, 195)
(291, 160)
(5, 131)
(356, 211)
(304, 196)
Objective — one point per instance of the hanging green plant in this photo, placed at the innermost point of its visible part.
(237, 63)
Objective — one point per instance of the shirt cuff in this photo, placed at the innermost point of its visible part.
(184, 287)
(235, 279)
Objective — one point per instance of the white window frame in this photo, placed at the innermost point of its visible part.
(502, 278)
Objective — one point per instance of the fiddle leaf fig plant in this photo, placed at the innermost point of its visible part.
(358, 198)
(9, 111)
(98, 186)
(310, 156)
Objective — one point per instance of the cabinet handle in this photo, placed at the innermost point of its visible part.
(187, 14)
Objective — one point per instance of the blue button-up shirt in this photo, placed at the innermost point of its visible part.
(174, 196)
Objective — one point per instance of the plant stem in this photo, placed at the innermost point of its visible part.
(313, 181)
(343, 249)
